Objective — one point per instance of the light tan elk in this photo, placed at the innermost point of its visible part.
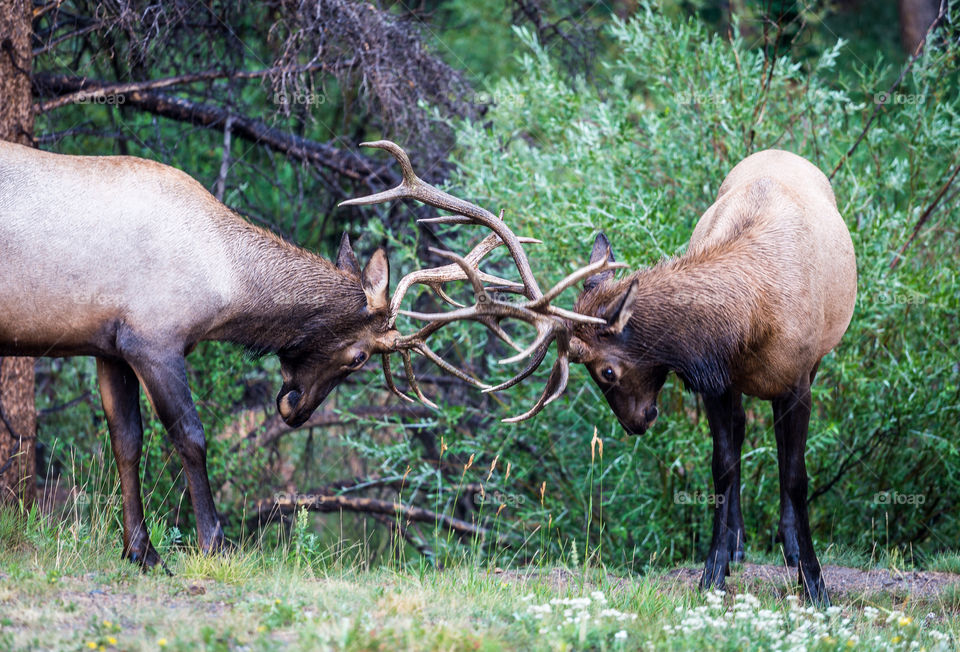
(766, 289)
(134, 262)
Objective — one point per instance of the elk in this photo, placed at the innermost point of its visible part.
(135, 263)
(765, 289)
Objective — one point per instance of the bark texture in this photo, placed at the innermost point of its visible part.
(19, 415)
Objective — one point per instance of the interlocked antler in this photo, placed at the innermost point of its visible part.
(552, 323)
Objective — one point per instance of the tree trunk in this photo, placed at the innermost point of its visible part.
(916, 17)
(17, 407)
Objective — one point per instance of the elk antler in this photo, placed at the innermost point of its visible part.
(551, 323)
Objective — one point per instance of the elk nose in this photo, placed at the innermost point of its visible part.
(287, 403)
(651, 414)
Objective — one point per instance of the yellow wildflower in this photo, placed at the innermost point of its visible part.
(904, 621)
(111, 640)
(91, 645)
(162, 642)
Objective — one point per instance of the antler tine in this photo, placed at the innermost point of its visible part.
(412, 379)
(473, 275)
(556, 383)
(388, 376)
(426, 352)
(532, 366)
(573, 278)
(452, 272)
(414, 187)
(544, 337)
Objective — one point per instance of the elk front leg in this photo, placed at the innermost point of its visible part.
(165, 380)
(120, 394)
(727, 425)
(791, 415)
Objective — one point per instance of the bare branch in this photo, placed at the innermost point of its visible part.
(96, 90)
(350, 165)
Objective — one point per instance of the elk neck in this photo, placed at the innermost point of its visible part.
(283, 296)
(694, 314)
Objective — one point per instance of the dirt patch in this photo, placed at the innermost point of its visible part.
(841, 581)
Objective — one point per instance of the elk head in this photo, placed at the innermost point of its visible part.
(628, 380)
(334, 346)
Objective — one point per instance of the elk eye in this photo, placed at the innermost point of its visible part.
(359, 359)
(608, 374)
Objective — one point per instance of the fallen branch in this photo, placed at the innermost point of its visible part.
(273, 509)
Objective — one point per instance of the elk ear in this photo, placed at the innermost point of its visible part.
(620, 315)
(376, 281)
(601, 251)
(346, 259)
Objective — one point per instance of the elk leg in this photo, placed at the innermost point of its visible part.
(120, 394)
(727, 424)
(787, 528)
(791, 414)
(165, 381)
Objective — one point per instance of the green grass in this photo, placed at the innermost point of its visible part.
(63, 587)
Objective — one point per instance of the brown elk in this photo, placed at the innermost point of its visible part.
(766, 288)
(134, 262)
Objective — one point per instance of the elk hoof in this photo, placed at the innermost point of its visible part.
(815, 591)
(714, 573)
(735, 546)
(147, 559)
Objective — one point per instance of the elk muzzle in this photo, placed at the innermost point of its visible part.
(287, 402)
(636, 419)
